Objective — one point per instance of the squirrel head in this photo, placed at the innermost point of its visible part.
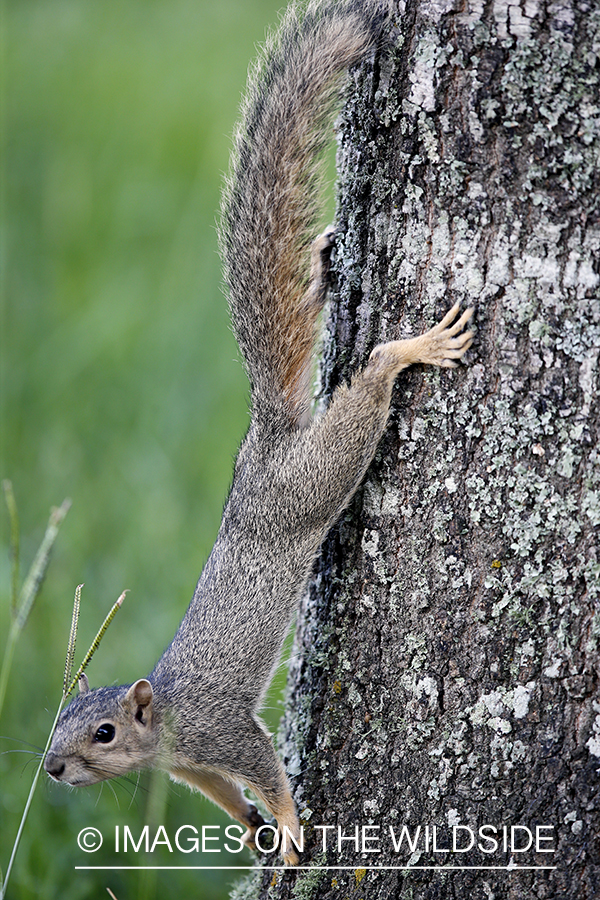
(104, 733)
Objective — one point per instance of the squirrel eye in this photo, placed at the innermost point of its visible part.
(105, 733)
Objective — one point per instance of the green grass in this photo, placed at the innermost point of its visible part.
(121, 387)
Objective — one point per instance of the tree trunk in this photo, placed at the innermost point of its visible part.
(445, 669)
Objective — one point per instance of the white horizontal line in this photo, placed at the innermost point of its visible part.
(325, 868)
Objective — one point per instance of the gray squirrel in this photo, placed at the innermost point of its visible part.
(196, 715)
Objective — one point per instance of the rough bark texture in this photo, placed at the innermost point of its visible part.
(447, 658)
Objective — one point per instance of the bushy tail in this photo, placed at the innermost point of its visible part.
(270, 202)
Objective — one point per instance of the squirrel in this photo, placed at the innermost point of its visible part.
(196, 714)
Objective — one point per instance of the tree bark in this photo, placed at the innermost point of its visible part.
(445, 669)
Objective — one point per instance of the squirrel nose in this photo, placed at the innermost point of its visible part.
(54, 766)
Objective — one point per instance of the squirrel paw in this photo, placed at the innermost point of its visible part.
(320, 264)
(320, 251)
(288, 851)
(291, 858)
(440, 346)
(325, 241)
(447, 341)
(254, 820)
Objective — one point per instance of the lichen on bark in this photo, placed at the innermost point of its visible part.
(447, 655)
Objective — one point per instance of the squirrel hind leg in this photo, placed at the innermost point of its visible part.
(299, 387)
(256, 765)
(283, 808)
(225, 793)
(262, 771)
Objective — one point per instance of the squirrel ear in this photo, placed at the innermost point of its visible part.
(139, 697)
(83, 683)
(141, 692)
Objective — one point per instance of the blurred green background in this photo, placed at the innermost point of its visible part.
(121, 387)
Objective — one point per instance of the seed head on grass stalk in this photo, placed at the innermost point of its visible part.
(93, 646)
(72, 639)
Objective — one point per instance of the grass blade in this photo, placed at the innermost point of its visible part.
(38, 771)
(13, 518)
(29, 591)
(35, 576)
